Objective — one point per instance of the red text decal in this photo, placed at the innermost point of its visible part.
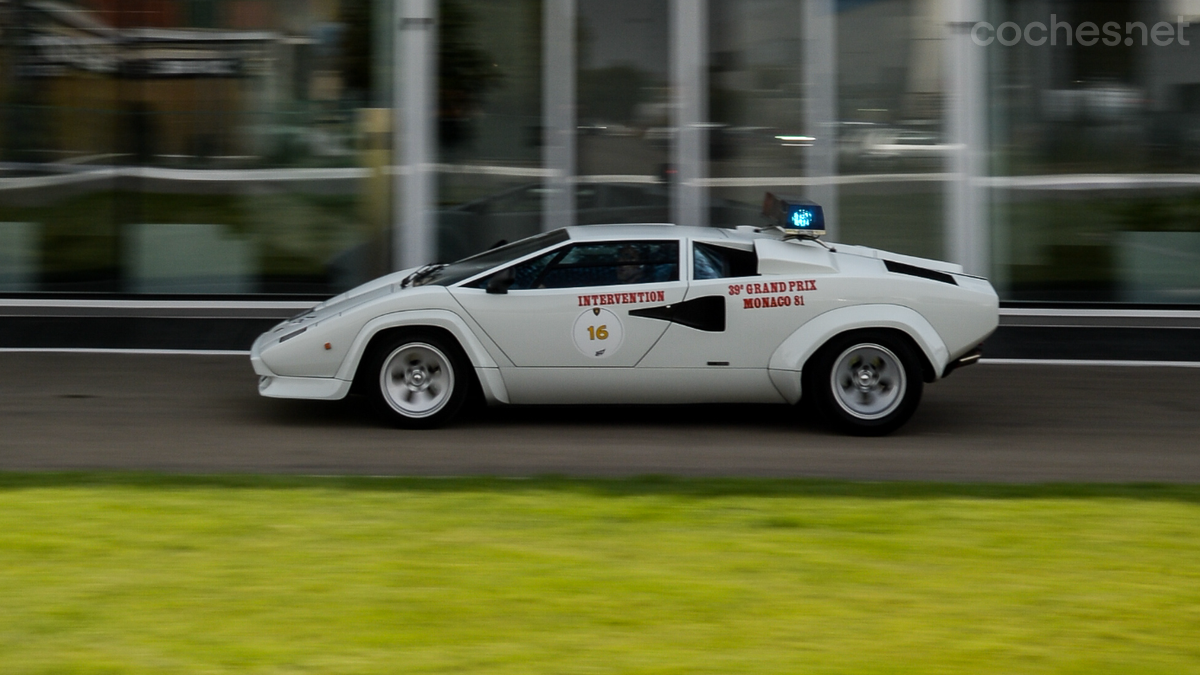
(621, 298)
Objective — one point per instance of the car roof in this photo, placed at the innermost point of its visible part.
(658, 231)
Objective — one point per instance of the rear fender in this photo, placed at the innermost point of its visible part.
(787, 361)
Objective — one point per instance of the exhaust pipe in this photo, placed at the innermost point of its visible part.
(969, 359)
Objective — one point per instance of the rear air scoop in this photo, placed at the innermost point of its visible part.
(793, 257)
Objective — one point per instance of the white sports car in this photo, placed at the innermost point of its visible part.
(642, 314)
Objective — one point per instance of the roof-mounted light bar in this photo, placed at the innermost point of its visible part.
(798, 218)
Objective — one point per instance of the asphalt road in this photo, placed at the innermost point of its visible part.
(988, 423)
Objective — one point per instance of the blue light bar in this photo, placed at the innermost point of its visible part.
(796, 217)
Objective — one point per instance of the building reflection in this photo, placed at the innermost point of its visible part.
(246, 146)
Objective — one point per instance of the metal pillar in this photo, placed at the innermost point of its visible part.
(820, 107)
(689, 51)
(967, 240)
(414, 236)
(558, 112)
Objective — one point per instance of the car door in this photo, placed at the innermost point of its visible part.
(732, 320)
(565, 320)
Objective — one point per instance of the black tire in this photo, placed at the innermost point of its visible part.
(417, 379)
(865, 383)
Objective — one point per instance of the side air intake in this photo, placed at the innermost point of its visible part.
(913, 271)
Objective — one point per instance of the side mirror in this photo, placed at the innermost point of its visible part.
(499, 282)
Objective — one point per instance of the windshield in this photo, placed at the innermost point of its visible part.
(482, 262)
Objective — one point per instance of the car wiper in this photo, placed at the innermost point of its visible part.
(424, 272)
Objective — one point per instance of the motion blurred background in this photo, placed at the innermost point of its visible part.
(298, 147)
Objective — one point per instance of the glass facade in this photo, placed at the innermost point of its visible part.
(489, 100)
(189, 147)
(892, 147)
(239, 147)
(623, 106)
(1095, 124)
(759, 134)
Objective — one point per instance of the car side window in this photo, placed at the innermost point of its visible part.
(598, 264)
(527, 274)
(609, 264)
(720, 262)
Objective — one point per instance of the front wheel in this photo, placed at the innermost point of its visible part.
(866, 383)
(418, 380)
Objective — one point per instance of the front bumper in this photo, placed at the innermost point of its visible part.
(314, 388)
(256, 361)
(278, 386)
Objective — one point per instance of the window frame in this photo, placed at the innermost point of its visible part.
(691, 260)
(564, 249)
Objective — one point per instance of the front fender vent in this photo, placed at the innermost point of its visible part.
(914, 271)
(292, 334)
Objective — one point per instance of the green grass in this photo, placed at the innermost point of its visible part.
(104, 573)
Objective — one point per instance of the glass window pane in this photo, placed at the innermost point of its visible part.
(489, 124)
(481, 262)
(528, 275)
(617, 263)
(624, 133)
(892, 148)
(146, 156)
(1089, 142)
(757, 137)
(721, 262)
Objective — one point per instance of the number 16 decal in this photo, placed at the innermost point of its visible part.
(598, 333)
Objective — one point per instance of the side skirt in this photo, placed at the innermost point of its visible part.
(713, 384)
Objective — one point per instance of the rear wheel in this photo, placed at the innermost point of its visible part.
(418, 380)
(866, 383)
